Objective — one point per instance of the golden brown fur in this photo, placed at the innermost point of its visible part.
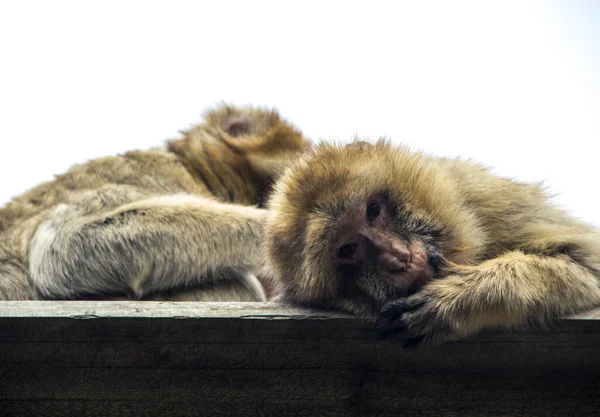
(147, 223)
(509, 257)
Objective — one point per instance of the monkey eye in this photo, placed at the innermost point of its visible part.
(347, 251)
(373, 210)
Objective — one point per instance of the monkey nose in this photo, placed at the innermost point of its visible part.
(393, 262)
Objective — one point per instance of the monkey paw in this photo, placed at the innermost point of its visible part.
(420, 319)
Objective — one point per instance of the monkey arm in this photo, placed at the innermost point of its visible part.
(145, 246)
(508, 291)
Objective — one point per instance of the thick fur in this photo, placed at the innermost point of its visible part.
(511, 257)
(181, 222)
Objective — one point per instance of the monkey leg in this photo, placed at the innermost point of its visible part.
(230, 288)
(143, 247)
(509, 291)
(14, 279)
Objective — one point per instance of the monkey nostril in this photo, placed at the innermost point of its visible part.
(347, 251)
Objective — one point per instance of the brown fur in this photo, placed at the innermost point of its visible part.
(511, 257)
(137, 204)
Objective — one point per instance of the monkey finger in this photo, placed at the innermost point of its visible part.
(384, 324)
(402, 334)
(391, 308)
(400, 306)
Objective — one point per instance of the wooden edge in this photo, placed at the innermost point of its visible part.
(169, 309)
(160, 309)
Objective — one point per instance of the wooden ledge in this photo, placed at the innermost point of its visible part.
(102, 358)
(170, 309)
(157, 309)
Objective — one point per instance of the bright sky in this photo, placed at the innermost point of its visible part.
(513, 84)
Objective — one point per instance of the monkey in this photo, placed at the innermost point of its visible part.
(427, 249)
(180, 222)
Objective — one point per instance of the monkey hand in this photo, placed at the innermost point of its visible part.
(430, 316)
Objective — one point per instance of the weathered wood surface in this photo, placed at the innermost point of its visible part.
(236, 359)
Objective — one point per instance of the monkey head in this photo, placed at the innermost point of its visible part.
(353, 227)
(239, 151)
(267, 142)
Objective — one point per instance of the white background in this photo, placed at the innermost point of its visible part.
(513, 84)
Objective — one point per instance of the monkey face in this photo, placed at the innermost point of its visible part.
(383, 250)
(356, 226)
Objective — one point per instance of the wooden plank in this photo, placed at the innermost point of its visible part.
(385, 356)
(357, 392)
(250, 310)
(86, 358)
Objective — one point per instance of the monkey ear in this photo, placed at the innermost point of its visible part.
(237, 126)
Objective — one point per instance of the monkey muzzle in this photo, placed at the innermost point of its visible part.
(403, 264)
(415, 268)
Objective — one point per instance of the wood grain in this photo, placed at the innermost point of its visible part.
(84, 358)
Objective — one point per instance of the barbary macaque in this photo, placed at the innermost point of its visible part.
(431, 249)
(182, 223)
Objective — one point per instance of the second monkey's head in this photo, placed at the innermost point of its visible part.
(237, 152)
(353, 227)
